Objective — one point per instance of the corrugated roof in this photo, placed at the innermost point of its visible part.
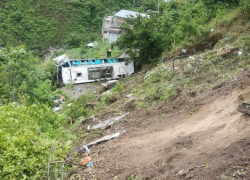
(126, 13)
(108, 18)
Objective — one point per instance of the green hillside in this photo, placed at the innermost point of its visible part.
(67, 23)
(43, 24)
(34, 140)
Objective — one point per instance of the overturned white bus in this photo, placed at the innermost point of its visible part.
(89, 70)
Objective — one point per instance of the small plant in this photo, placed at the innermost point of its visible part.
(135, 177)
(141, 104)
(161, 167)
(78, 108)
(70, 85)
(118, 88)
(207, 165)
(108, 99)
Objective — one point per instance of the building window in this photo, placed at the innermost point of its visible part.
(105, 30)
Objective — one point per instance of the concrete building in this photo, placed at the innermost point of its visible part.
(111, 28)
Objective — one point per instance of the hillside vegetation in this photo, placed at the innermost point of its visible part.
(180, 25)
(67, 23)
(43, 24)
(35, 142)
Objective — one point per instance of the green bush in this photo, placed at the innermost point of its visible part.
(157, 86)
(78, 108)
(24, 78)
(26, 137)
(118, 88)
(44, 24)
(245, 4)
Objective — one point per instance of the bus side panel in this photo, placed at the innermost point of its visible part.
(116, 70)
(66, 75)
(130, 69)
(80, 74)
(93, 72)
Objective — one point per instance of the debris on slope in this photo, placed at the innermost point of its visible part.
(103, 139)
(109, 84)
(130, 96)
(107, 123)
(244, 108)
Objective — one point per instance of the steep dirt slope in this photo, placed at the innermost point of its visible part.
(211, 143)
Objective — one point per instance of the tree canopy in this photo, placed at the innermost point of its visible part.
(178, 23)
(43, 24)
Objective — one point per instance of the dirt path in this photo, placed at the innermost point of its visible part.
(211, 143)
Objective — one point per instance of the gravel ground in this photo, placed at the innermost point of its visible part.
(81, 89)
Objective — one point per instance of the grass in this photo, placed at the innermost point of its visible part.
(93, 53)
(195, 76)
(198, 75)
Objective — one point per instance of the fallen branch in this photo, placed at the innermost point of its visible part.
(241, 151)
(67, 162)
(107, 123)
(89, 135)
(105, 138)
(51, 151)
(62, 171)
(78, 149)
(57, 162)
(183, 172)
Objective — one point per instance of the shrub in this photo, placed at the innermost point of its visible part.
(118, 88)
(26, 137)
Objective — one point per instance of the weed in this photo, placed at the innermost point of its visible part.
(96, 52)
(207, 165)
(70, 85)
(135, 177)
(140, 104)
(161, 167)
(118, 88)
(138, 122)
(108, 99)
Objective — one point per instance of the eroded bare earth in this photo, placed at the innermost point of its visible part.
(208, 139)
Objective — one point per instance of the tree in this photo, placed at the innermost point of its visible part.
(143, 38)
(22, 79)
(26, 137)
(245, 4)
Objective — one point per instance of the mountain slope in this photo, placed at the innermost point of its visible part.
(210, 143)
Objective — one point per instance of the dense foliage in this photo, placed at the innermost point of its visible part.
(31, 134)
(67, 23)
(178, 24)
(24, 79)
(29, 128)
(245, 4)
(143, 40)
(27, 135)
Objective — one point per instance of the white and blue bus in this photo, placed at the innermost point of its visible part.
(89, 70)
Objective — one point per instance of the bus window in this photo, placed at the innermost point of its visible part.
(83, 62)
(66, 64)
(74, 63)
(79, 74)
